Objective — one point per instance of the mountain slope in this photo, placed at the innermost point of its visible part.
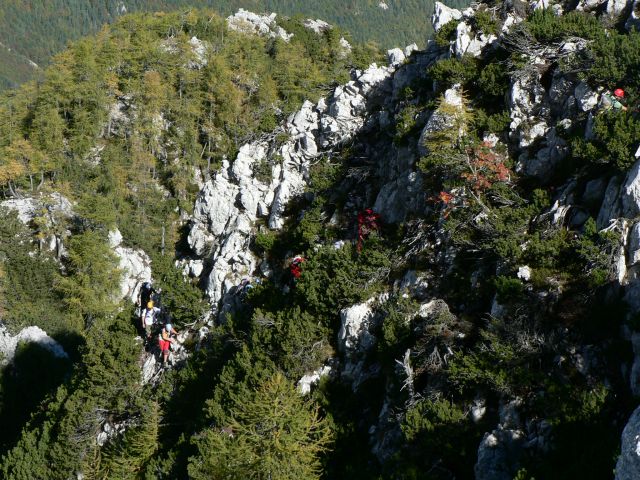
(425, 269)
(39, 29)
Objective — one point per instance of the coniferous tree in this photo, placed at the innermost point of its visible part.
(275, 434)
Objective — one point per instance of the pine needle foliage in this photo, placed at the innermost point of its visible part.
(274, 434)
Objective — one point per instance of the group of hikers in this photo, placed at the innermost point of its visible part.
(154, 321)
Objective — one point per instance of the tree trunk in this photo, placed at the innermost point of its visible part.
(12, 190)
(162, 243)
(41, 181)
(58, 247)
(31, 181)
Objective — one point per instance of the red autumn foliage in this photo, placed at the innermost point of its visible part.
(367, 223)
(486, 168)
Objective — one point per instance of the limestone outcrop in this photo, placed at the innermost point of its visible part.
(228, 206)
(134, 264)
(9, 343)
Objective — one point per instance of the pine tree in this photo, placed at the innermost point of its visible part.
(274, 435)
(126, 458)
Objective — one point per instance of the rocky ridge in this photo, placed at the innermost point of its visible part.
(231, 204)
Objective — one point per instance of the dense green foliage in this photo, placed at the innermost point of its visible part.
(137, 174)
(39, 29)
(471, 330)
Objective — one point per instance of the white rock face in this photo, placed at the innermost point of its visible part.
(524, 273)
(609, 209)
(634, 245)
(355, 339)
(354, 328)
(586, 98)
(409, 49)
(318, 26)
(469, 43)
(443, 15)
(616, 7)
(228, 206)
(29, 207)
(395, 57)
(628, 466)
(191, 268)
(55, 208)
(308, 381)
(589, 5)
(630, 195)
(553, 151)
(148, 369)
(8, 343)
(249, 22)
(135, 265)
(526, 93)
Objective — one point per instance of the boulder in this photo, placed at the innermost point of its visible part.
(525, 97)
(400, 196)
(200, 240)
(149, 368)
(524, 273)
(478, 409)
(628, 465)
(594, 191)
(119, 118)
(395, 57)
(586, 99)
(415, 283)
(443, 15)
(547, 158)
(355, 324)
(469, 43)
(355, 340)
(409, 49)
(633, 245)
(265, 25)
